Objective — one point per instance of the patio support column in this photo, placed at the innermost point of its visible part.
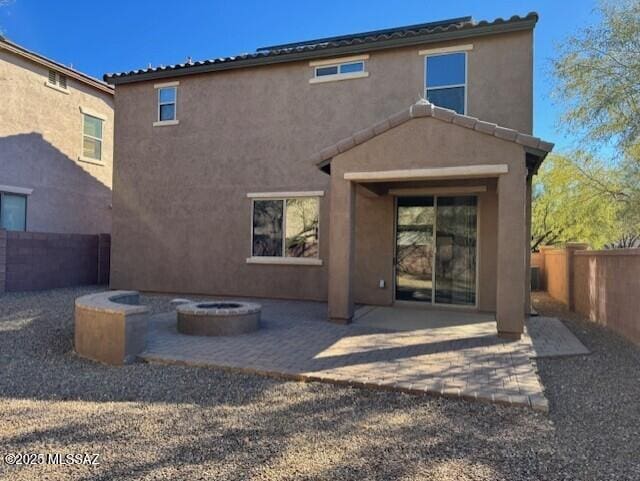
(527, 243)
(512, 251)
(341, 249)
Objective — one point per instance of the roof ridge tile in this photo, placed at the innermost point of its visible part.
(423, 108)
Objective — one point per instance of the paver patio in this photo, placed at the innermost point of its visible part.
(463, 359)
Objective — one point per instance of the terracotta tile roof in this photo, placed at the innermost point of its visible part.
(423, 108)
(362, 42)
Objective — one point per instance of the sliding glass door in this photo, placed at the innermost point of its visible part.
(436, 239)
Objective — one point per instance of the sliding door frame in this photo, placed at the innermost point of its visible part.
(433, 302)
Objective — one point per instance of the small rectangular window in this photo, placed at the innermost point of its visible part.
(322, 71)
(167, 103)
(446, 80)
(13, 211)
(340, 70)
(285, 227)
(92, 137)
(57, 79)
(352, 67)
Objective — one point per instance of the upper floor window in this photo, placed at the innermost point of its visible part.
(446, 80)
(13, 211)
(343, 68)
(167, 97)
(91, 137)
(57, 80)
(339, 69)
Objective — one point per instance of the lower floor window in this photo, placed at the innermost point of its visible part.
(13, 211)
(285, 227)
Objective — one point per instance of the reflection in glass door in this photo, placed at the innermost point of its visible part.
(438, 268)
(455, 269)
(414, 249)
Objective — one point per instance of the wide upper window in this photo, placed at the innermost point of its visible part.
(342, 68)
(92, 137)
(285, 227)
(446, 80)
(13, 211)
(167, 99)
(339, 69)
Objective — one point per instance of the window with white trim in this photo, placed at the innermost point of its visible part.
(57, 79)
(91, 137)
(446, 80)
(13, 211)
(286, 227)
(167, 100)
(339, 69)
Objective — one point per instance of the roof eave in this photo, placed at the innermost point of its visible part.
(41, 60)
(527, 23)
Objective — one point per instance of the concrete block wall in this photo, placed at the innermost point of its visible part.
(35, 260)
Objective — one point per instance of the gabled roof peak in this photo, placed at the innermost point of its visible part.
(424, 108)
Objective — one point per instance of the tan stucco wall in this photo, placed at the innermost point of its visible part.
(605, 288)
(40, 142)
(181, 216)
(556, 273)
(419, 143)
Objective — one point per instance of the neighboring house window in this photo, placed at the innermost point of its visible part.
(446, 80)
(13, 211)
(92, 137)
(167, 103)
(286, 227)
(57, 79)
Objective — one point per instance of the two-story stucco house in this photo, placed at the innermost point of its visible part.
(382, 167)
(56, 146)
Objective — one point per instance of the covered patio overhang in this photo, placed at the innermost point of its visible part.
(425, 150)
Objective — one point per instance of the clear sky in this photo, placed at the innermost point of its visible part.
(118, 35)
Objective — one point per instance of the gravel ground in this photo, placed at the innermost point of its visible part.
(157, 422)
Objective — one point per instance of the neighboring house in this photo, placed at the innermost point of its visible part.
(56, 146)
(310, 171)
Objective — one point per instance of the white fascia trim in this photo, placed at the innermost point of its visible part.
(452, 49)
(458, 172)
(93, 113)
(166, 84)
(339, 60)
(12, 189)
(284, 195)
(285, 261)
(161, 123)
(336, 77)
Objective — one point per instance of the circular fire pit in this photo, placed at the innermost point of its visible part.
(218, 318)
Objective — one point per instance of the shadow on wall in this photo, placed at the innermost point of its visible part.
(66, 198)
